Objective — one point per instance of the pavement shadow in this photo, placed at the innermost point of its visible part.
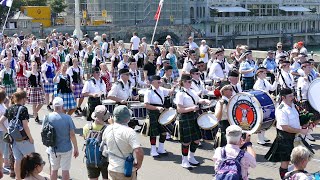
(316, 136)
(260, 158)
(315, 146)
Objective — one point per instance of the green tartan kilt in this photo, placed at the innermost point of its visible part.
(155, 128)
(189, 129)
(10, 88)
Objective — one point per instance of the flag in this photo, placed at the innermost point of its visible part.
(7, 3)
(157, 15)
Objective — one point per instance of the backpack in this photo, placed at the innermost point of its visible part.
(229, 168)
(48, 134)
(15, 127)
(291, 174)
(92, 151)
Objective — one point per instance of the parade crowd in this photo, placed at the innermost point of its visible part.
(124, 86)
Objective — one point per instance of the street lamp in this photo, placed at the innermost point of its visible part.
(135, 14)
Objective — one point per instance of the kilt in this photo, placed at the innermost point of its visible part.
(306, 105)
(35, 95)
(49, 87)
(77, 92)
(22, 82)
(248, 83)
(154, 128)
(68, 100)
(87, 69)
(114, 72)
(222, 125)
(10, 89)
(92, 103)
(281, 147)
(189, 129)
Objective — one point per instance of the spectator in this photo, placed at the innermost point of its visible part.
(2, 143)
(100, 116)
(120, 141)
(300, 156)
(25, 146)
(232, 149)
(31, 166)
(60, 155)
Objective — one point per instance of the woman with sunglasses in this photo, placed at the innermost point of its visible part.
(263, 84)
(285, 77)
(187, 102)
(31, 167)
(190, 62)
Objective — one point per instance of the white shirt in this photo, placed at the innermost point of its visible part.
(236, 87)
(140, 55)
(182, 98)
(122, 64)
(286, 115)
(188, 65)
(135, 77)
(135, 42)
(126, 139)
(9, 71)
(303, 50)
(119, 92)
(193, 46)
(69, 57)
(264, 85)
(216, 72)
(204, 50)
(71, 69)
(198, 87)
(286, 79)
(95, 59)
(224, 108)
(98, 87)
(304, 85)
(2, 111)
(45, 65)
(152, 98)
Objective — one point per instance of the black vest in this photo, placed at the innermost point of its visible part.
(64, 85)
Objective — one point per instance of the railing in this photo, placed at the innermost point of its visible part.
(264, 18)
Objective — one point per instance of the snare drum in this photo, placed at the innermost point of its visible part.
(210, 107)
(167, 118)
(254, 111)
(138, 110)
(207, 122)
(211, 95)
(110, 104)
(208, 82)
(141, 94)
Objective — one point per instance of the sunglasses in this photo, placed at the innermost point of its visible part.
(188, 81)
(197, 73)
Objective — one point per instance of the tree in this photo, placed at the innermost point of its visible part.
(57, 6)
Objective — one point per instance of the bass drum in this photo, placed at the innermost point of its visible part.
(253, 111)
(313, 97)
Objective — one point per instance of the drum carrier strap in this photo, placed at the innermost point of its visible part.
(155, 91)
(194, 102)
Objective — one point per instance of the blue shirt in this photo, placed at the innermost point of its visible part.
(62, 124)
(270, 64)
(247, 65)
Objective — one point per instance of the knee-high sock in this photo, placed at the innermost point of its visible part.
(193, 147)
(282, 172)
(162, 138)
(185, 150)
(153, 140)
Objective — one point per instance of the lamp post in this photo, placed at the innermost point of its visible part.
(77, 31)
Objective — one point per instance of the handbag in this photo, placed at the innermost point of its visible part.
(128, 164)
(7, 138)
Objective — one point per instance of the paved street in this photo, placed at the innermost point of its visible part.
(167, 168)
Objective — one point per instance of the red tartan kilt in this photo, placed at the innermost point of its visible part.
(106, 79)
(114, 73)
(35, 95)
(22, 82)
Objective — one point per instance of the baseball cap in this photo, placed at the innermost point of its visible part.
(57, 101)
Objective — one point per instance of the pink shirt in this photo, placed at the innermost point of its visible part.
(232, 151)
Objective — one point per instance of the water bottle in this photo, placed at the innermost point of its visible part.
(128, 165)
(317, 176)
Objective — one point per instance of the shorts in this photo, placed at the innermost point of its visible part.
(21, 149)
(63, 160)
(2, 143)
(120, 176)
(94, 172)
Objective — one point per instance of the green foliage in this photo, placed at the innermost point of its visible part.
(57, 6)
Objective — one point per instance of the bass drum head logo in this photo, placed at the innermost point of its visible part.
(243, 110)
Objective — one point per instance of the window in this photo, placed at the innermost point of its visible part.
(213, 29)
(269, 27)
(244, 27)
(296, 26)
(204, 11)
(263, 27)
(24, 24)
(197, 12)
(227, 28)
(289, 25)
(250, 27)
(237, 28)
(275, 27)
(256, 27)
(219, 30)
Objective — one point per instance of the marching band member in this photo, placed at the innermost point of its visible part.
(288, 125)
(124, 64)
(76, 74)
(121, 91)
(115, 60)
(302, 91)
(167, 81)
(222, 115)
(7, 76)
(263, 85)
(34, 91)
(135, 77)
(154, 101)
(233, 78)
(202, 69)
(94, 88)
(190, 62)
(247, 69)
(48, 69)
(197, 85)
(65, 88)
(286, 79)
(219, 68)
(270, 64)
(22, 80)
(187, 106)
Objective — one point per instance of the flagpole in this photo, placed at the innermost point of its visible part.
(5, 22)
(155, 27)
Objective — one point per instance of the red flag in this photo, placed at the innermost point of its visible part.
(157, 15)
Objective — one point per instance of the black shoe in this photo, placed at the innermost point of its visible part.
(79, 109)
(37, 119)
(49, 108)
(194, 164)
(50, 104)
(156, 157)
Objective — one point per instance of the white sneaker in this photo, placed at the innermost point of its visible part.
(154, 152)
(192, 160)
(261, 139)
(185, 163)
(310, 137)
(161, 149)
(264, 137)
